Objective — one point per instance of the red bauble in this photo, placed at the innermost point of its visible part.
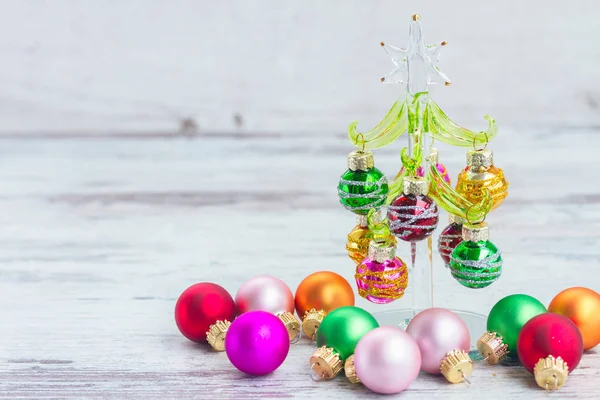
(413, 218)
(200, 306)
(450, 237)
(546, 335)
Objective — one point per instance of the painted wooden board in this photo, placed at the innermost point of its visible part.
(99, 236)
(293, 66)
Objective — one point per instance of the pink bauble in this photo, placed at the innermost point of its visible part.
(381, 283)
(264, 293)
(257, 343)
(387, 360)
(438, 331)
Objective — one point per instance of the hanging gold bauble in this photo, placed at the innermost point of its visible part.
(481, 174)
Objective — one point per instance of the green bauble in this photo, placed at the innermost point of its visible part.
(476, 264)
(342, 328)
(509, 315)
(359, 190)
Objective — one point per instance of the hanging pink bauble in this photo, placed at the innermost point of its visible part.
(438, 331)
(387, 360)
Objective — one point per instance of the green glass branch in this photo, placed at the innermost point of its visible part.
(393, 125)
(448, 199)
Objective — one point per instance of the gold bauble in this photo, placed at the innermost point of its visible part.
(481, 174)
(358, 243)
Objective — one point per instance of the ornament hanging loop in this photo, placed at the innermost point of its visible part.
(487, 140)
(314, 375)
(473, 222)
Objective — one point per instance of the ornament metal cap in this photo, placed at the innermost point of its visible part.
(216, 335)
(291, 324)
(415, 185)
(325, 363)
(350, 370)
(480, 159)
(360, 160)
(433, 155)
(491, 347)
(361, 220)
(475, 232)
(456, 366)
(311, 322)
(455, 219)
(551, 373)
(381, 251)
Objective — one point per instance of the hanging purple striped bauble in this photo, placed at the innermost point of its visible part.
(450, 237)
(413, 217)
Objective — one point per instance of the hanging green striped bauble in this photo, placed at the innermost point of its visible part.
(476, 262)
(362, 186)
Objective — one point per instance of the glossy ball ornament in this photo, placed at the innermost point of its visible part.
(476, 262)
(413, 215)
(317, 295)
(257, 343)
(337, 338)
(387, 360)
(381, 277)
(582, 306)
(199, 308)
(450, 237)
(479, 175)
(270, 294)
(362, 187)
(437, 332)
(359, 238)
(504, 323)
(546, 343)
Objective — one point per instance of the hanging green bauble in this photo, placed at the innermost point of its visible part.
(337, 336)
(476, 262)
(504, 323)
(362, 187)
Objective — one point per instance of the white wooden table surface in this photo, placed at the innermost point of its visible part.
(99, 236)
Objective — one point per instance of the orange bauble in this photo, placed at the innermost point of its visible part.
(582, 306)
(319, 294)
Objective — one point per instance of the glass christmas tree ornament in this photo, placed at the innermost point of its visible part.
(381, 277)
(479, 175)
(476, 262)
(362, 187)
(413, 215)
(450, 237)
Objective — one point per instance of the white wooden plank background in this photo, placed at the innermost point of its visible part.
(294, 66)
(99, 236)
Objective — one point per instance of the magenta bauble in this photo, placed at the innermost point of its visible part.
(381, 282)
(257, 343)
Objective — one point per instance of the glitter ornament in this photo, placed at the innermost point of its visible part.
(317, 295)
(387, 360)
(550, 346)
(270, 294)
(504, 323)
(444, 341)
(479, 175)
(381, 277)
(337, 337)
(476, 262)
(257, 343)
(582, 306)
(413, 215)
(203, 312)
(362, 187)
(450, 237)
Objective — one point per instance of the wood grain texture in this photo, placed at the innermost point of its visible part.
(99, 237)
(299, 65)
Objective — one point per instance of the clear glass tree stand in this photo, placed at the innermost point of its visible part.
(416, 114)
